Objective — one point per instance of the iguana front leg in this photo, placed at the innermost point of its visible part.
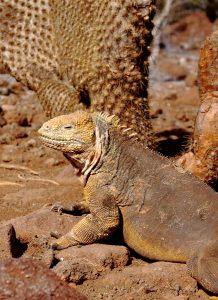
(99, 224)
(58, 97)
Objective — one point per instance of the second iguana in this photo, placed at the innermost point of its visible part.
(82, 54)
(166, 214)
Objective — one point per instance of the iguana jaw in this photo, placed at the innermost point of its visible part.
(62, 145)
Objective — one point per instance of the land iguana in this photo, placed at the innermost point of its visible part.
(166, 213)
(82, 54)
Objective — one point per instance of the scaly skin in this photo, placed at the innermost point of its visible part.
(166, 213)
(82, 54)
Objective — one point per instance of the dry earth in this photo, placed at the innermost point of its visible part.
(32, 176)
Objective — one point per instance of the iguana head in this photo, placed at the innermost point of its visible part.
(81, 136)
(72, 133)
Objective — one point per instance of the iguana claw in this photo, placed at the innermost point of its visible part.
(64, 242)
(57, 208)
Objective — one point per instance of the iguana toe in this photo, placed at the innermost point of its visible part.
(57, 207)
(64, 242)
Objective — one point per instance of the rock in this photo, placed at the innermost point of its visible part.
(4, 91)
(107, 256)
(17, 88)
(168, 296)
(29, 279)
(20, 133)
(38, 152)
(72, 271)
(52, 162)
(8, 153)
(4, 88)
(2, 119)
(17, 114)
(8, 238)
(172, 70)
(6, 157)
(40, 223)
(31, 143)
(10, 113)
(24, 120)
(38, 248)
(159, 280)
(6, 138)
(191, 80)
(4, 83)
(88, 262)
(189, 96)
(10, 246)
(185, 33)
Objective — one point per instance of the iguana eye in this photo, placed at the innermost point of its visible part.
(68, 126)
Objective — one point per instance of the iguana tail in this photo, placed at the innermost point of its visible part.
(203, 266)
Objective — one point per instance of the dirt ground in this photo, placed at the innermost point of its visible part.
(32, 176)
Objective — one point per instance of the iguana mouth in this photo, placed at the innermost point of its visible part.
(58, 144)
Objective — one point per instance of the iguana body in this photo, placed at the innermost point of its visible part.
(166, 213)
(82, 54)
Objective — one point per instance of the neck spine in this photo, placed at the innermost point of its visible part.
(93, 162)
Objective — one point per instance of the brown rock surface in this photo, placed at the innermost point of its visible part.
(8, 239)
(160, 280)
(185, 33)
(78, 264)
(40, 223)
(27, 279)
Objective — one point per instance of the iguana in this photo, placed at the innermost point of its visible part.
(166, 213)
(82, 54)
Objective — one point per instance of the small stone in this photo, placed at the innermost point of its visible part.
(17, 88)
(38, 152)
(31, 143)
(8, 237)
(2, 121)
(52, 162)
(4, 91)
(191, 80)
(215, 94)
(20, 133)
(4, 87)
(6, 138)
(3, 83)
(6, 157)
(23, 120)
(170, 296)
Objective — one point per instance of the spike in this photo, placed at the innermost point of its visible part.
(133, 134)
(127, 129)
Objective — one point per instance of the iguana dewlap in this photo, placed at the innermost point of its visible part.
(166, 213)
